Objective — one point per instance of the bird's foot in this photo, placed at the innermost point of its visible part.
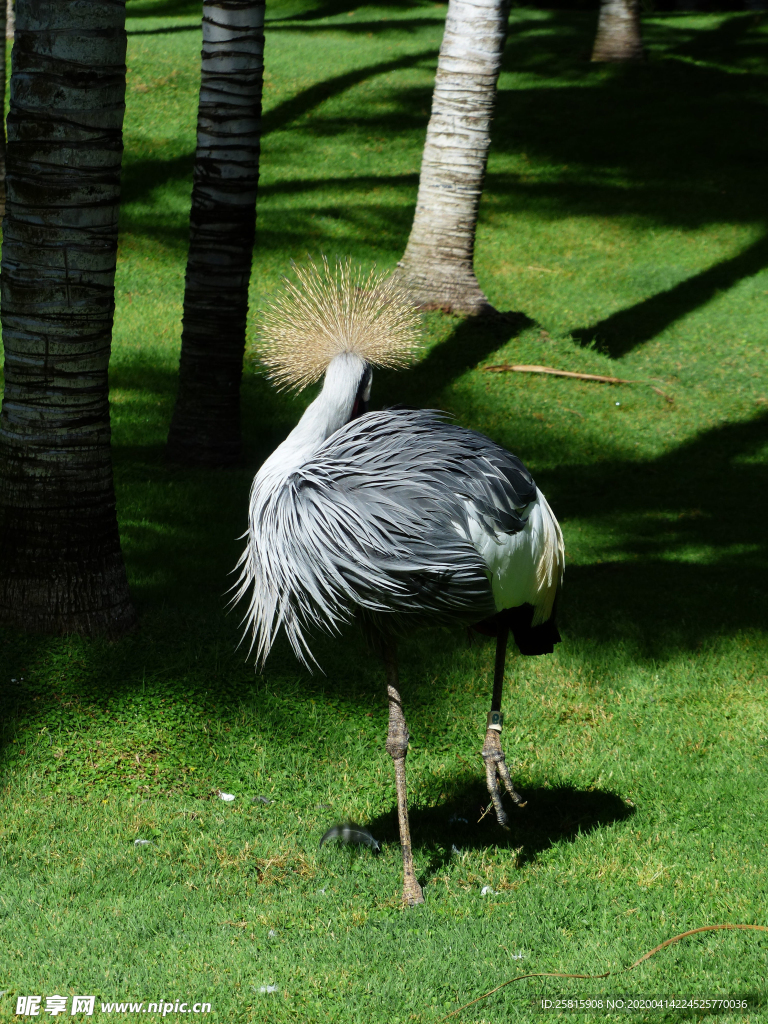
(495, 768)
(412, 893)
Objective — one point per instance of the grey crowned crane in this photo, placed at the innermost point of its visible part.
(398, 518)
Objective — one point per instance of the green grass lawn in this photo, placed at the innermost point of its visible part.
(623, 230)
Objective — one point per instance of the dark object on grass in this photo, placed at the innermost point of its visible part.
(351, 833)
(260, 800)
(397, 518)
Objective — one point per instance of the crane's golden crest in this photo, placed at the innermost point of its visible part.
(329, 311)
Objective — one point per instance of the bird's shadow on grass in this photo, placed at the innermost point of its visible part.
(552, 815)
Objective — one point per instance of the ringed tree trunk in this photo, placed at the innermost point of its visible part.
(205, 428)
(6, 26)
(437, 266)
(618, 32)
(61, 568)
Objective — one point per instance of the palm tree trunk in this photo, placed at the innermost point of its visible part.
(205, 429)
(618, 32)
(61, 568)
(438, 262)
(6, 23)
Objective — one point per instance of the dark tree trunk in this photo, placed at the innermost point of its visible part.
(6, 24)
(205, 429)
(61, 568)
(618, 32)
(438, 263)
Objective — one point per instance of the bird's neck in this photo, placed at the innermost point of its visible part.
(328, 413)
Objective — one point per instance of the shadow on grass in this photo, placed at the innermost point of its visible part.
(471, 342)
(309, 10)
(288, 25)
(329, 8)
(609, 139)
(163, 8)
(552, 816)
(141, 177)
(620, 333)
(289, 110)
(166, 30)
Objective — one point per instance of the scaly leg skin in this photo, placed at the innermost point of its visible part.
(493, 755)
(397, 748)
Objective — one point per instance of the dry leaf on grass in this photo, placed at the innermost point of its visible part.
(598, 378)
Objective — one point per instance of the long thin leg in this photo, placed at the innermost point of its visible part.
(397, 748)
(493, 755)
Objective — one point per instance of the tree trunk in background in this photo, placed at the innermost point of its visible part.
(437, 265)
(205, 429)
(61, 568)
(6, 14)
(618, 32)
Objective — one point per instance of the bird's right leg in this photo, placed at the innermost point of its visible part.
(493, 755)
(397, 748)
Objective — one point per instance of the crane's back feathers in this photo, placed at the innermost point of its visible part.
(328, 312)
(401, 515)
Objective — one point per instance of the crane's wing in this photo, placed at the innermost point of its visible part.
(399, 513)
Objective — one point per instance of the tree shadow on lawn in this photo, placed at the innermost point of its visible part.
(163, 8)
(290, 110)
(313, 12)
(472, 341)
(737, 34)
(141, 176)
(685, 551)
(329, 8)
(617, 119)
(617, 142)
(623, 331)
(166, 30)
(551, 816)
(614, 145)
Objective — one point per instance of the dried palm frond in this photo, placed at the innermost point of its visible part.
(330, 311)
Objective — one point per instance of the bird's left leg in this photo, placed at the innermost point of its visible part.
(493, 755)
(397, 748)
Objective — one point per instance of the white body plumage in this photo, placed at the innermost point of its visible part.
(524, 567)
(398, 514)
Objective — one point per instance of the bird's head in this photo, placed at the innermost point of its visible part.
(338, 322)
